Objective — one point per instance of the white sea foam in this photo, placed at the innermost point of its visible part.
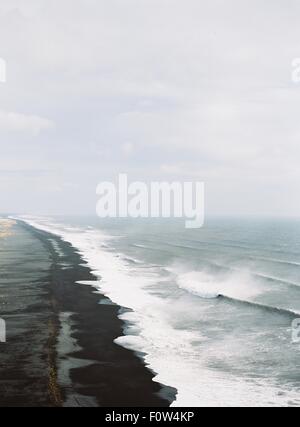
(169, 352)
(236, 285)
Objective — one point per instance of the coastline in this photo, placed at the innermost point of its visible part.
(84, 365)
(27, 358)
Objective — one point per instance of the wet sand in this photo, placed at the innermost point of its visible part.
(60, 349)
(26, 359)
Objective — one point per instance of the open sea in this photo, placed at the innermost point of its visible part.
(211, 309)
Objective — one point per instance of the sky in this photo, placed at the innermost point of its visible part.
(159, 89)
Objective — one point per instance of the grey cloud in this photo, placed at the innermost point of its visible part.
(164, 88)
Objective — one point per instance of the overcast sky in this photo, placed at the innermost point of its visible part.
(160, 89)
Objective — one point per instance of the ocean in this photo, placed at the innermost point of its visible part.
(210, 310)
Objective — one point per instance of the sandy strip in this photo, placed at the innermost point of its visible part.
(6, 226)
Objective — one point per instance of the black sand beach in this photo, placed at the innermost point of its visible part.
(60, 349)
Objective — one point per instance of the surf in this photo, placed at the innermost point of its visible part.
(177, 334)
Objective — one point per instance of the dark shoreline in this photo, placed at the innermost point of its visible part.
(85, 366)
